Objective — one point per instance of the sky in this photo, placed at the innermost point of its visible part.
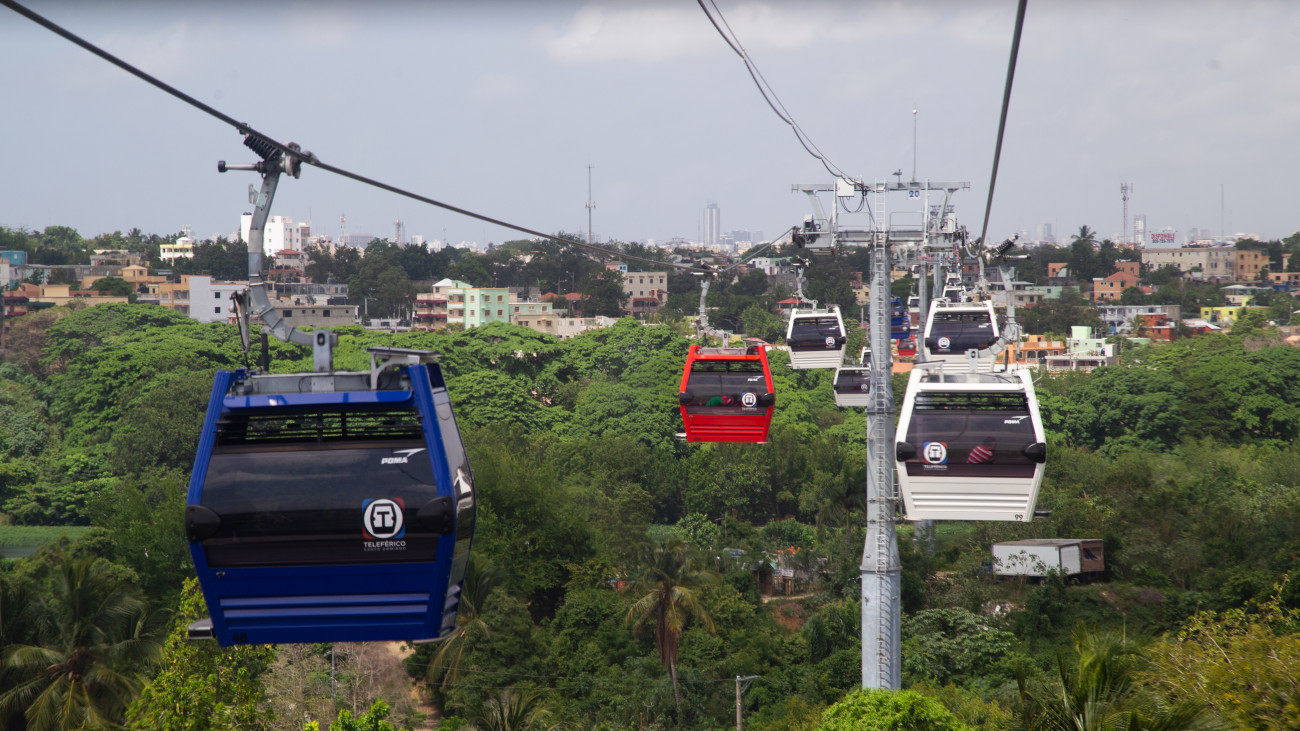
(499, 107)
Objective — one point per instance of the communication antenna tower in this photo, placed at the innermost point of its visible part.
(591, 204)
(1124, 190)
(913, 144)
(399, 232)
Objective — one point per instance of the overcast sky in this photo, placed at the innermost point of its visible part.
(498, 107)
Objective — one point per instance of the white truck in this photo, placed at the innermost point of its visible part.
(1037, 557)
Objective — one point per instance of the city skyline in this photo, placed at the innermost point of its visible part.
(499, 108)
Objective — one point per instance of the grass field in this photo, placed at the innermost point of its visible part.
(18, 536)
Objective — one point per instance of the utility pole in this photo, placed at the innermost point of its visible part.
(591, 204)
(747, 679)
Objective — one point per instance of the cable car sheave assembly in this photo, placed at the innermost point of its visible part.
(329, 506)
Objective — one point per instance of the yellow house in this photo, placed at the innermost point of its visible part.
(62, 294)
(1226, 314)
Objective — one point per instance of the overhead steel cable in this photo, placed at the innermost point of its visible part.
(758, 76)
(53, 27)
(311, 159)
(769, 94)
(1002, 122)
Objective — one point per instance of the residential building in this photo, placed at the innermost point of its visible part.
(182, 248)
(1242, 294)
(15, 258)
(456, 302)
(299, 289)
(1199, 326)
(1120, 318)
(430, 311)
(1084, 352)
(1248, 263)
(115, 258)
(1211, 263)
(1131, 268)
(1035, 349)
(313, 315)
(568, 327)
(209, 301)
(280, 233)
(13, 304)
(287, 265)
(792, 303)
(534, 315)
(62, 294)
(645, 292)
(1226, 315)
(1156, 326)
(1109, 289)
(1290, 280)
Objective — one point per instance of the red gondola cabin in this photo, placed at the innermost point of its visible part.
(726, 395)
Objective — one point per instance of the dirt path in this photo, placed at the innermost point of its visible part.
(399, 651)
(776, 597)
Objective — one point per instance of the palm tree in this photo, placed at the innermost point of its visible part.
(512, 711)
(1098, 694)
(481, 578)
(669, 586)
(95, 637)
(1086, 235)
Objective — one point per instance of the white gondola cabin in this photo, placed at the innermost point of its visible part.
(970, 446)
(816, 338)
(852, 385)
(953, 330)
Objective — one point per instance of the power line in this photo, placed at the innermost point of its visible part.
(595, 679)
(311, 159)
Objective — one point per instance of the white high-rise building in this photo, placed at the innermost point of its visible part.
(280, 233)
(712, 224)
(1140, 230)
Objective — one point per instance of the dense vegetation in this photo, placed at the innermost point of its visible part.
(1183, 460)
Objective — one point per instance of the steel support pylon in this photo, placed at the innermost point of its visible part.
(881, 569)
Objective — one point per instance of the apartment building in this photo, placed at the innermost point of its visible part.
(1109, 289)
(1211, 263)
(1247, 264)
(645, 292)
(455, 302)
(1121, 318)
(534, 315)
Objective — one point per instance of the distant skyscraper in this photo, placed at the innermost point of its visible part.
(1045, 234)
(712, 224)
(278, 233)
(1140, 230)
(399, 232)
